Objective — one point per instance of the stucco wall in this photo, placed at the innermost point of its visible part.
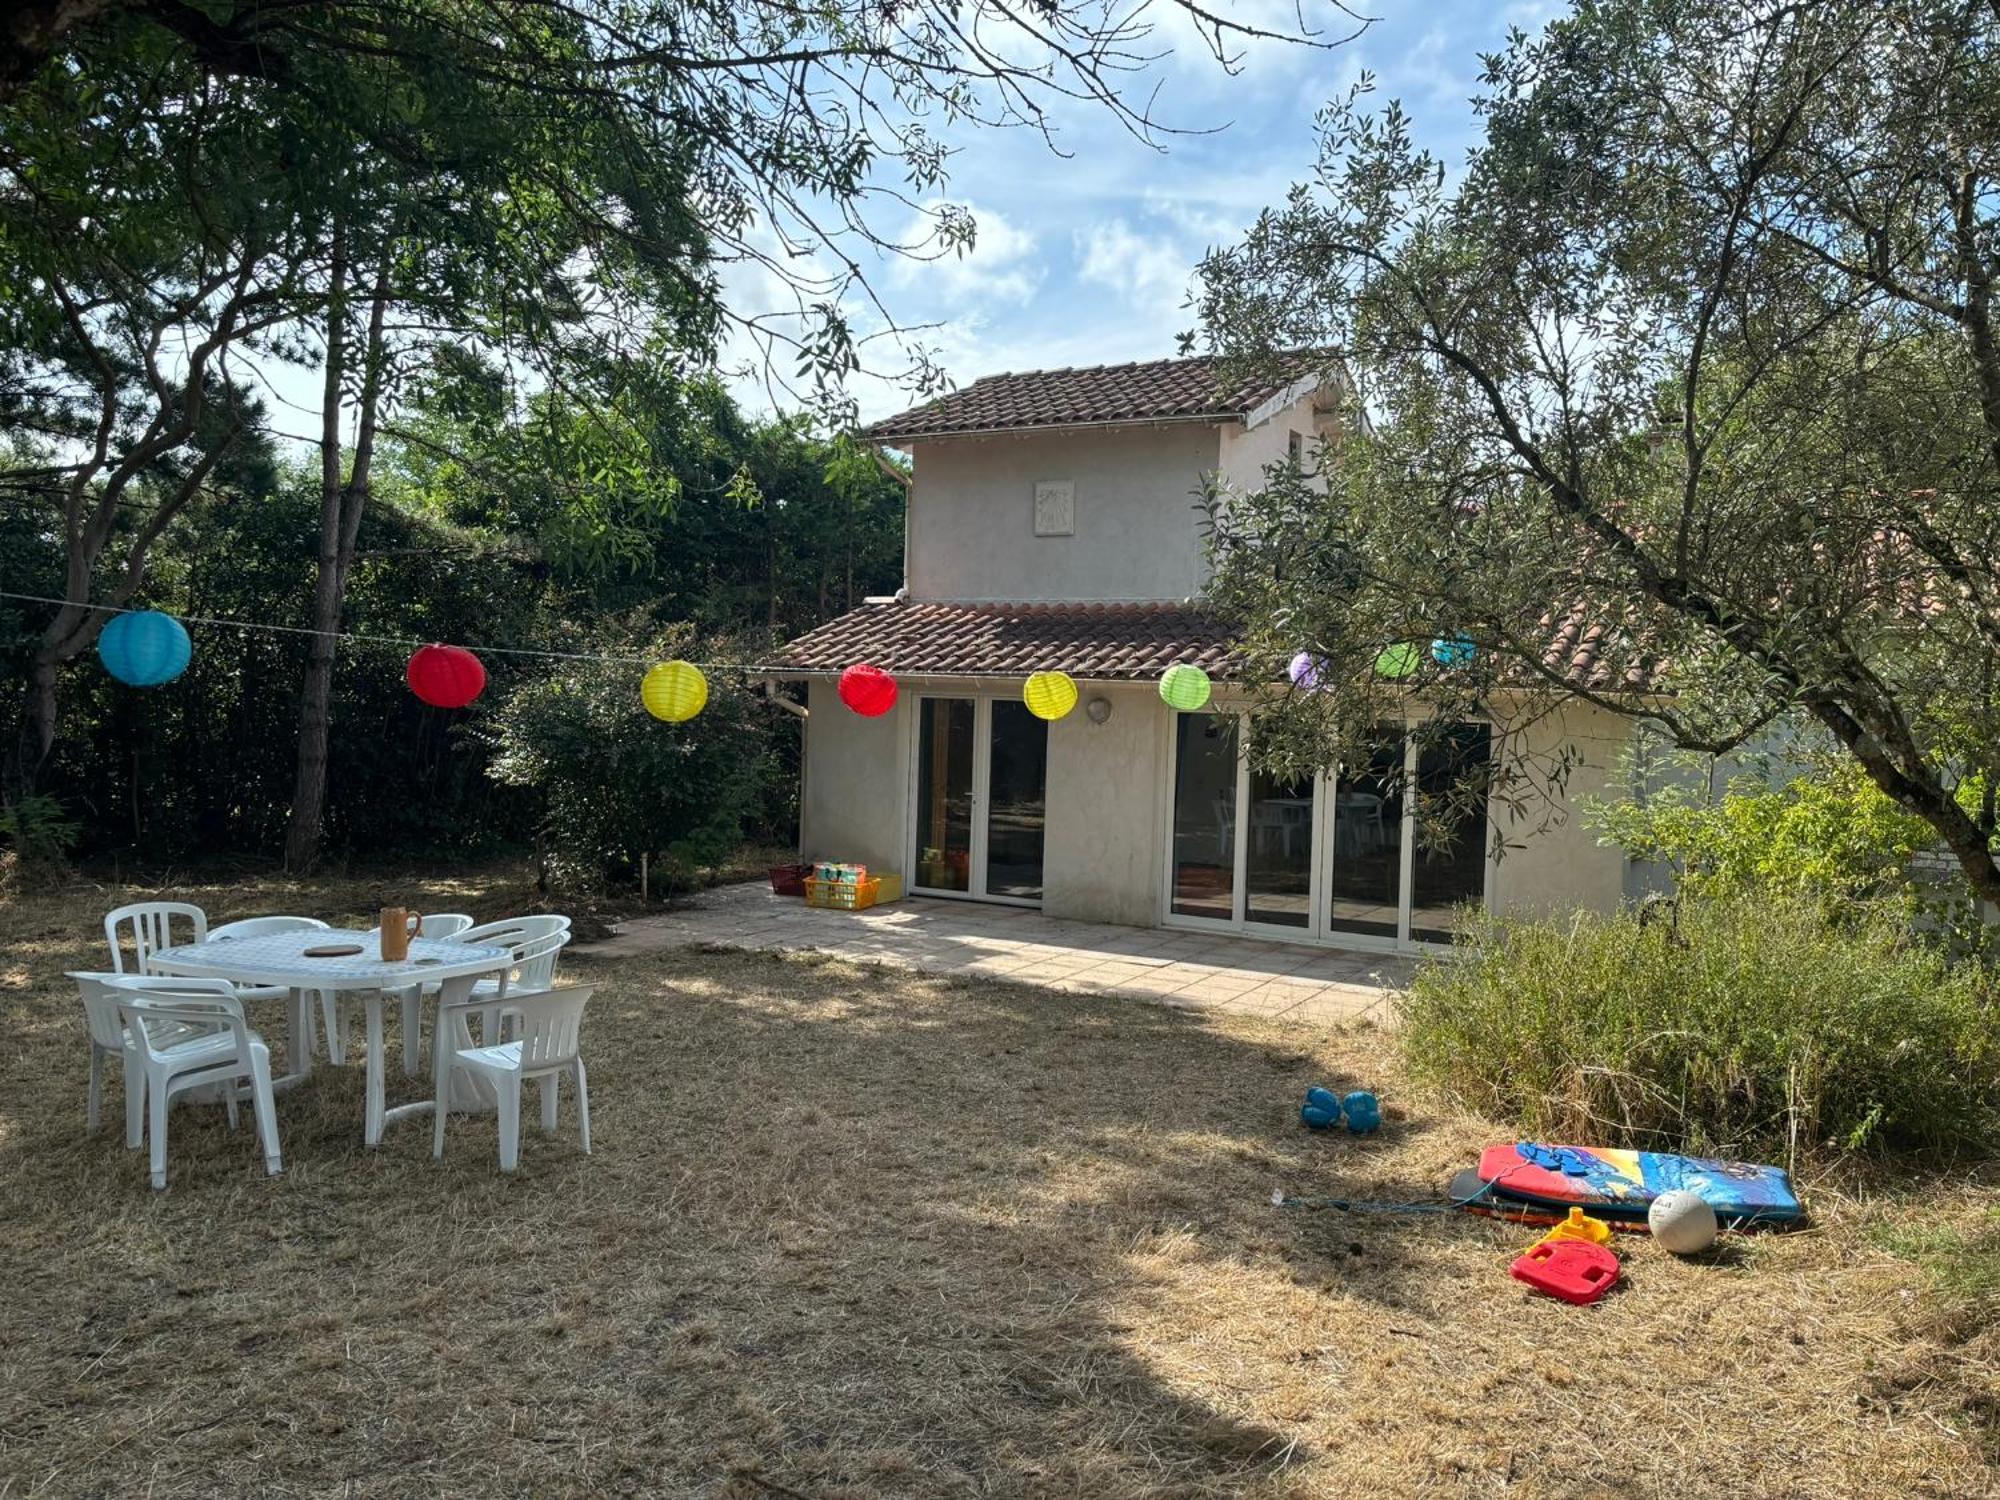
(1247, 451)
(1562, 867)
(1102, 854)
(971, 531)
(855, 800)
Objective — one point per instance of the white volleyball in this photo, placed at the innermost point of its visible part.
(1682, 1221)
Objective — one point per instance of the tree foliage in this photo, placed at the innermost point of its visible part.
(1681, 396)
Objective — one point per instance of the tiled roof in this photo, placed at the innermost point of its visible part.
(1158, 389)
(1115, 642)
(1091, 641)
(1593, 653)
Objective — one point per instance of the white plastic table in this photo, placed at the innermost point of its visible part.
(278, 958)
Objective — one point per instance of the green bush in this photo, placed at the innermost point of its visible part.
(1747, 1024)
(1830, 836)
(615, 783)
(41, 833)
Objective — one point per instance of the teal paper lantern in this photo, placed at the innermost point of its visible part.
(1184, 687)
(1453, 651)
(144, 648)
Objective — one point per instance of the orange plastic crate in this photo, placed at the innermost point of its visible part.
(839, 896)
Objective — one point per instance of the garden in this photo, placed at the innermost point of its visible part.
(857, 1231)
(422, 428)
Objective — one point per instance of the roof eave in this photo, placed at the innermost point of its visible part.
(1205, 418)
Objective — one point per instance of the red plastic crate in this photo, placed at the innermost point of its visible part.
(789, 880)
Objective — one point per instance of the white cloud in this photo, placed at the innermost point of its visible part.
(1000, 266)
(1148, 271)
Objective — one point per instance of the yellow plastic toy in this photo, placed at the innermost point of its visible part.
(1580, 1226)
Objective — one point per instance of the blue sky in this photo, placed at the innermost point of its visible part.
(1086, 260)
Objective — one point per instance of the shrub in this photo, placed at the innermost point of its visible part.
(1830, 836)
(1749, 1024)
(41, 833)
(615, 783)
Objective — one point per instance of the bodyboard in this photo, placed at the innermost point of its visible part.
(1470, 1192)
(1623, 1184)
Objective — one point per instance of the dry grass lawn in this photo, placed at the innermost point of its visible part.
(860, 1233)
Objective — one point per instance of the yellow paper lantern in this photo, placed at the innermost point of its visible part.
(675, 691)
(1049, 695)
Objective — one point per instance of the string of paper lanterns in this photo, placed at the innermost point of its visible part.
(146, 648)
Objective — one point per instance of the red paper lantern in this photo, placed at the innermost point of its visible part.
(869, 691)
(446, 676)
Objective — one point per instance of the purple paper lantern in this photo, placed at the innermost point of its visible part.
(1305, 671)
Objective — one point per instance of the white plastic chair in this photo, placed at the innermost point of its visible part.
(150, 925)
(190, 1034)
(534, 942)
(548, 1027)
(302, 1023)
(108, 1039)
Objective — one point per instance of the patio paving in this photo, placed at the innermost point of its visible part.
(1199, 970)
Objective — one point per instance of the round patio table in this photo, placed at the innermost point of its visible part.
(279, 958)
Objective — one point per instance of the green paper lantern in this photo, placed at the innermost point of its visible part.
(1184, 687)
(1399, 660)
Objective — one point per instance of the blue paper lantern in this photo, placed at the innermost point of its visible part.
(145, 648)
(1455, 651)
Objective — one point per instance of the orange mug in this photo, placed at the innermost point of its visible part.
(399, 925)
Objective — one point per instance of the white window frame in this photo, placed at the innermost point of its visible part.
(982, 774)
(1319, 931)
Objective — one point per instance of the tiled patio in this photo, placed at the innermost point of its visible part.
(1196, 969)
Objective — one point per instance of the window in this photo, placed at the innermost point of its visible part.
(1297, 449)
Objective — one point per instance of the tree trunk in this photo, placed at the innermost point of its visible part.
(341, 508)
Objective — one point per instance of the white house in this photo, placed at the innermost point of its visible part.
(1054, 523)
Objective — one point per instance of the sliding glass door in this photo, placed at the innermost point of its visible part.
(981, 795)
(1017, 782)
(1337, 856)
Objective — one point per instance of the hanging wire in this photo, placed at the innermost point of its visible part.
(373, 640)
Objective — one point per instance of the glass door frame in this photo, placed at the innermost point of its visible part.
(1319, 931)
(982, 779)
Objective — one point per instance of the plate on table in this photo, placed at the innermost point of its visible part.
(332, 950)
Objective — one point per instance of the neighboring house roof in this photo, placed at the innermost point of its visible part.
(1092, 641)
(1197, 389)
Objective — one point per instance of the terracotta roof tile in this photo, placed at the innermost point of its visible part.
(1117, 642)
(1191, 389)
(1092, 641)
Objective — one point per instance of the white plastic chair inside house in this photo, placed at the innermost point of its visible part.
(191, 1034)
(302, 1025)
(548, 1027)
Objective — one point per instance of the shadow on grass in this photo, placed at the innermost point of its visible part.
(847, 1231)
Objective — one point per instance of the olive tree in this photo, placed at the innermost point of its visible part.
(1681, 395)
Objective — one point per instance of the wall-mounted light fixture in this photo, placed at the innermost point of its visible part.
(1099, 709)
